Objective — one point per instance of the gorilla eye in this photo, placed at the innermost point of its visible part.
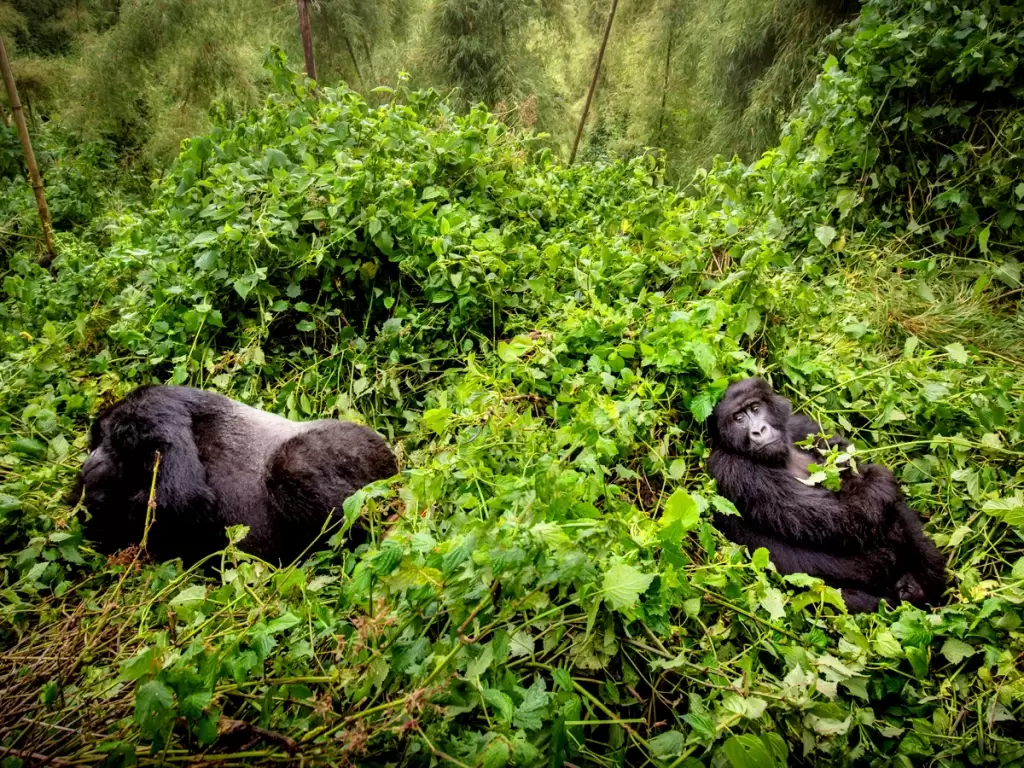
(738, 417)
(755, 407)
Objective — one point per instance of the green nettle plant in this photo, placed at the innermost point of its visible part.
(543, 582)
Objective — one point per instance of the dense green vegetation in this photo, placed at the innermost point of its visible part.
(693, 78)
(543, 346)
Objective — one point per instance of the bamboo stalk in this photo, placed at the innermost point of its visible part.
(668, 72)
(30, 159)
(593, 81)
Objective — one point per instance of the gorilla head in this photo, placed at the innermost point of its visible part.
(751, 420)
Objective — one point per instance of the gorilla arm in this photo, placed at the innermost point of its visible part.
(865, 570)
(801, 427)
(777, 504)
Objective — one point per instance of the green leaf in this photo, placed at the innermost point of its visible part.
(203, 238)
(1009, 510)
(668, 744)
(723, 506)
(623, 584)
(705, 357)
(180, 374)
(956, 651)
(774, 603)
(194, 704)
(510, 352)
(983, 236)
(529, 715)
(384, 241)
(522, 643)
(275, 158)
(154, 703)
(27, 446)
(388, 559)
(500, 702)
(885, 644)
(476, 668)
(825, 234)
(283, 622)
(703, 405)
(436, 419)
(682, 510)
(748, 751)
(496, 754)
(188, 596)
(140, 665)
(815, 479)
(244, 285)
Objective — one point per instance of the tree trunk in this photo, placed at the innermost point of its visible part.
(593, 81)
(30, 159)
(355, 62)
(307, 39)
(369, 59)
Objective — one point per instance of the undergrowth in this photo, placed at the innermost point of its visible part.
(541, 584)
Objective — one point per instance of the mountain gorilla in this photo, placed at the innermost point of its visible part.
(222, 463)
(863, 539)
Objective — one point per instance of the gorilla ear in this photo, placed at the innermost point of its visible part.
(782, 406)
(96, 431)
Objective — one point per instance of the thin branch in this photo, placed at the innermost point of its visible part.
(593, 81)
(30, 159)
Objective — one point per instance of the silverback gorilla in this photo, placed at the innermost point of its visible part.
(222, 463)
(863, 539)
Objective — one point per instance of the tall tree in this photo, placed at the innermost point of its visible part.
(307, 39)
(30, 159)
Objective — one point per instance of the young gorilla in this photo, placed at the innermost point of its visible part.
(863, 539)
(222, 463)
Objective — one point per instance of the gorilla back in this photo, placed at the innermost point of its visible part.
(222, 463)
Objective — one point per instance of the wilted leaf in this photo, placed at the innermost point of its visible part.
(957, 353)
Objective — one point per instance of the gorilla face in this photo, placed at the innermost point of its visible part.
(752, 421)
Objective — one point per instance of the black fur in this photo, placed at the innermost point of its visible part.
(222, 463)
(863, 539)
